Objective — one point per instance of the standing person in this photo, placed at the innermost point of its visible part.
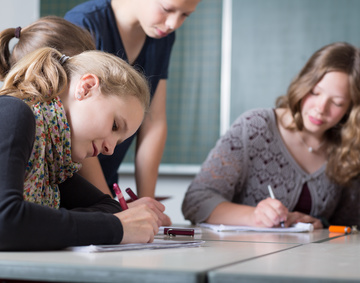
(55, 111)
(307, 149)
(142, 33)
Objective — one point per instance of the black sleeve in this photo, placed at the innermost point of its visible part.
(28, 226)
(80, 195)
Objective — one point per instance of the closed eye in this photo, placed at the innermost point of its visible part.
(115, 127)
(337, 104)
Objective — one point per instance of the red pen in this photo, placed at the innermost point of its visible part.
(120, 196)
(131, 194)
(179, 231)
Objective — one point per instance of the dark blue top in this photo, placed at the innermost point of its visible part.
(98, 17)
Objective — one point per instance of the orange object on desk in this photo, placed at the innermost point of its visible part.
(340, 229)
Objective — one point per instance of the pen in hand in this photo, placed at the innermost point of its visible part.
(282, 224)
(131, 194)
(120, 196)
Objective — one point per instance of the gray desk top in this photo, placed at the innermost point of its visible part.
(336, 260)
(168, 265)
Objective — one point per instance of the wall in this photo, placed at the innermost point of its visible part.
(11, 16)
(16, 13)
(272, 40)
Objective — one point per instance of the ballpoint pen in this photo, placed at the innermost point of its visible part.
(120, 196)
(173, 231)
(282, 224)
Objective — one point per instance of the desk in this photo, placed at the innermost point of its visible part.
(230, 256)
(336, 260)
(170, 265)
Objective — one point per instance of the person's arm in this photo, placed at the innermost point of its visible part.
(213, 196)
(268, 213)
(29, 226)
(92, 172)
(221, 173)
(80, 195)
(150, 143)
(296, 216)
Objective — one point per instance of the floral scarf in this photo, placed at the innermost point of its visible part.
(50, 162)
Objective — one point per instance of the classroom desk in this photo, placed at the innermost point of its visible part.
(224, 256)
(168, 265)
(336, 260)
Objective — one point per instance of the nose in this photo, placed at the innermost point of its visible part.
(108, 147)
(322, 105)
(174, 21)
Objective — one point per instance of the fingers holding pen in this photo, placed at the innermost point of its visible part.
(270, 213)
(156, 206)
(140, 224)
(295, 217)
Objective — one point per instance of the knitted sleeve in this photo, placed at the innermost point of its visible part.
(220, 174)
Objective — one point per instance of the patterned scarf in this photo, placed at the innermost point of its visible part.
(50, 162)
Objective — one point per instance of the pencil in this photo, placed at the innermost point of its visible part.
(282, 224)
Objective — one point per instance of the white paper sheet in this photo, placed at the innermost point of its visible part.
(298, 227)
(157, 244)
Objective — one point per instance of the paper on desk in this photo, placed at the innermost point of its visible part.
(157, 244)
(298, 227)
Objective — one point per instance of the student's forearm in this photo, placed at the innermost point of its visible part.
(229, 213)
(148, 161)
(151, 143)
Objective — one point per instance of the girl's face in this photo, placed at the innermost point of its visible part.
(98, 123)
(158, 18)
(327, 103)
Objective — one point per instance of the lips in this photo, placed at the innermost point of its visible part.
(161, 33)
(315, 121)
(95, 150)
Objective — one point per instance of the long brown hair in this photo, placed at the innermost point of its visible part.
(39, 76)
(49, 31)
(343, 140)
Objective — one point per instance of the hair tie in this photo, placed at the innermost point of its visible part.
(63, 59)
(17, 32)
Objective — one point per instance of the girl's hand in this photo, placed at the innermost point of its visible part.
(140, 224)
(156, 206)
(295, 217)
(269, 213)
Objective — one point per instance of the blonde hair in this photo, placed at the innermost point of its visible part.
(39, 76)
(49, 31)
(343, 140)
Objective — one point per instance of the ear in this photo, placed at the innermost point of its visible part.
(86, 86)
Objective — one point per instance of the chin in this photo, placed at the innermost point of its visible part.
(77, 159)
